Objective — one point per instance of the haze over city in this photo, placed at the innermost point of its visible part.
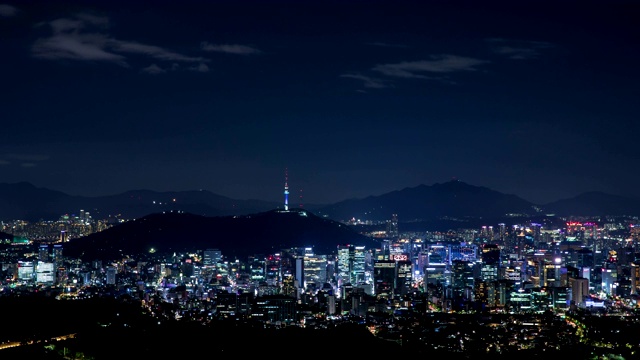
(352, 98)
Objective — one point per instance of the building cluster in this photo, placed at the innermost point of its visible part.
(518, 269)
(68, 226)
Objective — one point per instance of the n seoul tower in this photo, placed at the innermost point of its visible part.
(286, 190)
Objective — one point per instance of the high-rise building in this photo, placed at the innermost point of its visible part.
(43, 252)
(45, 273)
(351, 264)
(461, 277)
(300, 273)
(277, 309)
(57, 254)
(635, 278)
(257, 268)
(359, 265)
(273, 270)
(344, 264)
(502, 231)
(404, 277)
(315, 270)
(490, 262)
(579, 291)
(26, 271)
(609, 279)
(384, 276)
(111, 275)
(392, 227)
(211, 257)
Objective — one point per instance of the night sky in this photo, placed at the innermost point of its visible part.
(351, 98)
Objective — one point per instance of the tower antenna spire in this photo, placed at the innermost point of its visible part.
(286, 189)
(301, 204)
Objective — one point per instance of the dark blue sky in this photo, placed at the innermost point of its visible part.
(355, 98)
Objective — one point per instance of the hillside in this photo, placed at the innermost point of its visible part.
(260, 233)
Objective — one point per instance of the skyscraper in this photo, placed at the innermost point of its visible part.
(392, 227)
(211, 257)
(111, 275)
(384, 275)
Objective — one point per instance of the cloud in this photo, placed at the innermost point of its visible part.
(153, 69)
(518, 49)
(230, 48)
(439, 64)
(8, 10)
(155, 52)
(25, 160)
(368, 82)
(76, 47)
(202, 67)
(85, 37)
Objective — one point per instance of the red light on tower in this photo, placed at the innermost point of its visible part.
(301, 199)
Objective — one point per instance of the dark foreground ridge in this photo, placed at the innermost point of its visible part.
(109, 328)
(240, 236)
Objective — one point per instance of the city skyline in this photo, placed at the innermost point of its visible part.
(350, 99)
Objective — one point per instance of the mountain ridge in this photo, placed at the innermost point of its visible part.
(457, 199)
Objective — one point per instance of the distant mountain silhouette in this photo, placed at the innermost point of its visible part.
(595, 204)
(261, 233)
(452, 199)
(24, 201)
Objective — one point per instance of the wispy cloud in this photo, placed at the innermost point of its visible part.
(518, 49)
(153, 69)
(368, 82)
(8, 10)
(85, 37)
(23, 160)
(230, 48)
(438, 64)
(200, 68)
(152, 51)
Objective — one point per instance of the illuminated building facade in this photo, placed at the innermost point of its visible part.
(46, 273)
(404, 277)
(210, 257)
(315, 270)
(273, 273)
(26, 271)
(111, 275)
(384, 277)
(351, 264)
(392, 227)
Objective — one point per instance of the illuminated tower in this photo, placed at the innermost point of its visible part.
(286, 191)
